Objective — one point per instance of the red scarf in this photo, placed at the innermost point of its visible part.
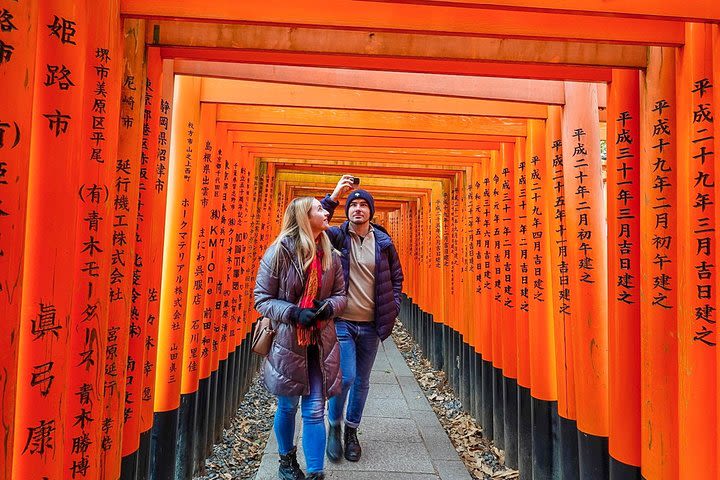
(310, 335)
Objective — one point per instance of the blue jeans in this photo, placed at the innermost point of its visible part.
(358, 347)
(313, 416)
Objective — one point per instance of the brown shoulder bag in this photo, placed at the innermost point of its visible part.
(263, 337)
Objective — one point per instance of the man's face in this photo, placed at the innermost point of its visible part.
(359, 211)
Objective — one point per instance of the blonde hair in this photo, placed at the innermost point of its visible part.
(296, 225)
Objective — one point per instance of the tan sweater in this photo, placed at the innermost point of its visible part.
(361, 283)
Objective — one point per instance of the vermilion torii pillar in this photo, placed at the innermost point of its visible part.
(587, 259)
(176, 258)
(563, 311)
(50, 243)
(697, 242)
(541, 286)
(624, 276)
(17, 64)
(658, 264)
(88, 325)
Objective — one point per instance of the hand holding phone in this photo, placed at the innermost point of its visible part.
(322, 311)
(356, 180)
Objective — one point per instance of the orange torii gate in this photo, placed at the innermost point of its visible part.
(138, 189)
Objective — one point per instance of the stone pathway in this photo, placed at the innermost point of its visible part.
(400, 433)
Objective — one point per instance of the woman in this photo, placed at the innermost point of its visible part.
(298, 274)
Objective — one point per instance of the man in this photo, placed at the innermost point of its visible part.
(373, 277)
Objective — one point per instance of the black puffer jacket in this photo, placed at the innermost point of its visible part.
(279, 286)
(388, 272)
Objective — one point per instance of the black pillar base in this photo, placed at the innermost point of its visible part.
(438, 346)
(477, 386)
(457, 363)
(487, 399)
(143, 470)
(201, 425)
(498, 409)
(545, 440)
(525, 437)
(569, 449)
(129, 466)
(593, 457)
(511, 421)
(243, 371)
(466, 376)
(164, 445)
(187, 434)
(220, 400)
(623, 471)
(210, 437)
(229, 387)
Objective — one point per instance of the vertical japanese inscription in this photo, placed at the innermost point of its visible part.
(183, 257)
(50, 247)
(586, 260)
(662, 239)
(93, 262)
(561, 230)
(625, 210)
(522, 224)
(506, 189)
(702, 197)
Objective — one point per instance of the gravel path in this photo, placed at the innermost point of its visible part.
(238, 456)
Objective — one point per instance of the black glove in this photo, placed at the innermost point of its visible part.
(326, 313)
(303, 316)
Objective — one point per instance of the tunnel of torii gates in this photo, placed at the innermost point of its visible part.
(148, 149)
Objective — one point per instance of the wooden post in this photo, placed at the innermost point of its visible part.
(486, 298)
(623, 197)
(697, 301)
(153, 258)
(716, 103)
(188, 428)
(659, 281)
(587, 255)
(88, 325)
(176, 257)
(17, 64)
(50, 240)
(541, 329)
(124, 194)
(496, 307)
(522, 311)
(146, 266)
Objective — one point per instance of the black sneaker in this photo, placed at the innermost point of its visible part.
(316, 476)
(352, 445)
(289, 467)
(334, 448)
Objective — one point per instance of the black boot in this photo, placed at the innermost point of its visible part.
(352, 446)
(289, 467)
(316, 476)
(334, 448)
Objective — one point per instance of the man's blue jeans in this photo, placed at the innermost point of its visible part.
(313, 416)
(358, 347)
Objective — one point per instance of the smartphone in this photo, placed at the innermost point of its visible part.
(323, 308)
(356, 180)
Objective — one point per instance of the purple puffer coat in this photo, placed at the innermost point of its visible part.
(279, 286)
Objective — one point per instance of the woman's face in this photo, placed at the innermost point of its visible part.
(318, 217)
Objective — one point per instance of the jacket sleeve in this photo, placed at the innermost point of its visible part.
(338, 294)
(329, 205)
(396, 275)
(267, 285)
